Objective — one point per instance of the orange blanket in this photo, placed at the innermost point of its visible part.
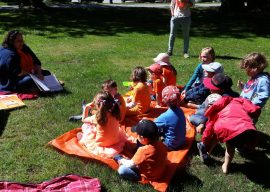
(68, 143)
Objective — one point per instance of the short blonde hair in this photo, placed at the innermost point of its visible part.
(254, 60)
(210, 51)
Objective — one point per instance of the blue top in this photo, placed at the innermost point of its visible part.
(172, 125)
(196, 78)
(10, 67)
(197, 94)
(257, 89)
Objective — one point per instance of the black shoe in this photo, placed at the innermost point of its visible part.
(170, 53)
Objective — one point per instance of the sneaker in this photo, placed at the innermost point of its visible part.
(186, 55)
(75, 118)
(170, 53)
(203, 154)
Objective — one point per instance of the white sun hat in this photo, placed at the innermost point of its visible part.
(162, 59)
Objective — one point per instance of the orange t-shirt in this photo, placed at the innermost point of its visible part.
(168, 73)
(158, 86)
(122, 106)
(107, 135)
(151, 160)
(141, 96)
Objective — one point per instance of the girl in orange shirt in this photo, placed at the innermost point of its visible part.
(139, 100)
(101, 133)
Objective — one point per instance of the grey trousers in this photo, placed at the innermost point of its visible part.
(175, 23)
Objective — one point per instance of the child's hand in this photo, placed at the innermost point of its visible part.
(183, 94)
(240, 84)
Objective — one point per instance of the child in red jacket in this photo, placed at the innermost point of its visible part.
(229, 121)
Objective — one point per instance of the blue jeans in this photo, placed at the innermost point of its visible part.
(198, 118)
(185, 23)
(129, 173)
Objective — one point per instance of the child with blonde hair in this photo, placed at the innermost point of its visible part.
(101, 133)
(139, 100)
(206, 56)
(257, 88)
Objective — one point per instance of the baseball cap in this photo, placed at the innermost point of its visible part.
(162, 59)
(214, 67)
(218, 81)
(155, 68)
(212, 98)
(146, 128)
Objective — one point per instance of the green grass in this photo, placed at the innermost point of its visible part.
(84, 47)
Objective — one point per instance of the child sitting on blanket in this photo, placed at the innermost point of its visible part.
(101, 133)
(111, 87)
(198, 94)
(139, 100)
(168, 71)
(229, 121)
(207, 56)
(150, 160)
(157, 84)
(172, 123)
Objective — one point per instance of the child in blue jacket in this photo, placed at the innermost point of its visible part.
(172, 123)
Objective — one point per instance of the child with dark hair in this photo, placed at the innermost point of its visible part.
(110, 86)
(150, 160)
(101, 133)
(257, 88)
(172, 123)
(139, 100)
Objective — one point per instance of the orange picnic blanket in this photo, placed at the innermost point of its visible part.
(68, 143)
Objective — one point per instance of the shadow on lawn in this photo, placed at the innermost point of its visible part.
(108, 21)
(4, 119)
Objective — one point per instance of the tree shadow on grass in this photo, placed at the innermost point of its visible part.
(105, 20)
(4, 119)
(257, 170)
(184, 181)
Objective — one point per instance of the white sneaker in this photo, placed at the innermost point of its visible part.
(186, 55)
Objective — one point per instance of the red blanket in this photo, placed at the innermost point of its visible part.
(22, 96)
(67, 183)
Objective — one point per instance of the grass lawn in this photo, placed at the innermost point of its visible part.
(84, 47)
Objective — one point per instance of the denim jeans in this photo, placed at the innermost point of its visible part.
(129, 173)
(185, 23)
(198, 118)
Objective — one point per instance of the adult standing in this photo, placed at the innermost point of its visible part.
(17, 60)
(181, 15)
